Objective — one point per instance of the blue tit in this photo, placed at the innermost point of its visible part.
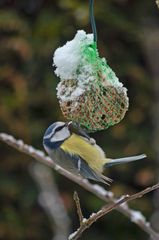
(73, 149)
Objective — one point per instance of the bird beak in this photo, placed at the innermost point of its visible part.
(68, 124)
(75, 128)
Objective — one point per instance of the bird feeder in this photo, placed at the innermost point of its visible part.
(89, 92)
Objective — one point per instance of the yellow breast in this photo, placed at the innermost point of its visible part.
(92, 154)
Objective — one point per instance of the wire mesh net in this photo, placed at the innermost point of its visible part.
(104, 101)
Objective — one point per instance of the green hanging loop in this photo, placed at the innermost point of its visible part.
(92, 19)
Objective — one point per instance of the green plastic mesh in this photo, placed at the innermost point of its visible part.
(104, 101)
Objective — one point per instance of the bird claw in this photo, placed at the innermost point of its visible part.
(92, 141)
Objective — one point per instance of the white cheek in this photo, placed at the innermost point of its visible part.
(61, 135)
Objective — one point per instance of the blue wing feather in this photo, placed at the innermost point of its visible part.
(76, 165)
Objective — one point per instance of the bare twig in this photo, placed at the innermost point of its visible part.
(78, 206)
(97, 190)
(95, 216)
(51, 201)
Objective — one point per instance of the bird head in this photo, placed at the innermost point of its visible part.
(58, 132)
(55, 135)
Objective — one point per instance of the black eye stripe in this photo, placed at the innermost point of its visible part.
(58, 128)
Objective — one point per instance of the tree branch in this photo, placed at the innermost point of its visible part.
(78, 206)
(86, 223)
(97, 190)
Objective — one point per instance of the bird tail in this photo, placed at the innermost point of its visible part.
(117, 161)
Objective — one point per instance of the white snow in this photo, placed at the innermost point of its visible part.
(7, 137)
(76, 72)
(20, 143)
(77, 92)
(84, 220)
(94, 214)
(136, 216)
(124, 206)
(67, 58)
(109, 72)
(40, 153)
(102, 191)
(31, 149)
(72, 235)
(70, 65)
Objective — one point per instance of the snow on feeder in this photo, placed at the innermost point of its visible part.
(89, 91)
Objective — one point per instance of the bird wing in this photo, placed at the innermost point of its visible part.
(86, 172)
(76, 165)
(91, 153)
(87, 159)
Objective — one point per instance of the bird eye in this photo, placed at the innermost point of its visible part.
(58, 128)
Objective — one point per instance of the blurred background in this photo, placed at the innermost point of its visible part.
(128, 36)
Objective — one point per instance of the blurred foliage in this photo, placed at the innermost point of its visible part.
(30, 31)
